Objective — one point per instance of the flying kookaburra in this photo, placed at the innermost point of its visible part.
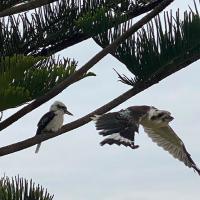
(52, 121)
(120, 128)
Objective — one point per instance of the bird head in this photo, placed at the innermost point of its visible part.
(59, 106)
(159, 116)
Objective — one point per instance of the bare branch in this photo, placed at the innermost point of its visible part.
(73, 78)
(160, 75)
(25, 7)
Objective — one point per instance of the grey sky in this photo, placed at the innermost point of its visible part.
(74, 166)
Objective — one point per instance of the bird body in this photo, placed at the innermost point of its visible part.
(56, 122)
(120, 128)
(52, 121)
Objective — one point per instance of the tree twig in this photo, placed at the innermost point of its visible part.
(172, 68)
(25, 7)
(74, 77)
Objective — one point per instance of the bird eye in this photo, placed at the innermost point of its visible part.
(155, 117)
(61, 107)
(160, 115)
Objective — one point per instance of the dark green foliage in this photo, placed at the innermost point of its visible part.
(50, 25)
(62, 24)
(109, 14)
(4, 4)
(22, 189)
(155, 46)
(100, 19)
(11, 70)
(24, 78)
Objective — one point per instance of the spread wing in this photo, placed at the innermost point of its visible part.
(119, 128)
(46, 118)
(166, 138)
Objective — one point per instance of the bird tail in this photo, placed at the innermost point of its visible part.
(37, 148)
(196, 169)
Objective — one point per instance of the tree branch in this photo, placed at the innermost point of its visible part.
(73, 78)
(143, 9)
(78, 37)
(107, 107)
(65, 43)
(38, 3)
(1, 115)
(68, 127)
(25, 7)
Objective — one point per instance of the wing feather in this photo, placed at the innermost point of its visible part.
(166, 138)
(46, 118)
(119, 127)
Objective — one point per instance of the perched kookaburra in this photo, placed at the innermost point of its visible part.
(120, 128)
(52, 121)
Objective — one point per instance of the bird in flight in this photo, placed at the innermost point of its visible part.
(52, 121)
(120, 128)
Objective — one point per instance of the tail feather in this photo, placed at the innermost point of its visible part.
(126, 143)
(196, 169)
(110, 142)
(37, 148)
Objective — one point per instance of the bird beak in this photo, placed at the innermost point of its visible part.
(67, 112)
(170, 118)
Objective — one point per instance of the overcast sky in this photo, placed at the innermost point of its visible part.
(75, 167)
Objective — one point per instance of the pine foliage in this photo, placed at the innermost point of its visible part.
(156, 46)
(22, 189)
(4, 4)
(56, 26)
(23, 38)
(66, 22)
(24, 78)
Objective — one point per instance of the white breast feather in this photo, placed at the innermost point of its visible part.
(55, 124)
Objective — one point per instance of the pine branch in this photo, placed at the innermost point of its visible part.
(73, 78)
(54, 27)
(139, 87)
(143, 9)
(145, 52)
(79, 37)
(32, 4)
(18, 188)
(25, 7)
(5, 4)
(25, 78)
